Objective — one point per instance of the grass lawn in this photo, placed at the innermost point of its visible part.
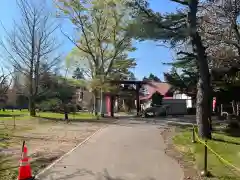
(14, 112)
(226, 146)
(12, 119)
(78, 115)
(24, 114)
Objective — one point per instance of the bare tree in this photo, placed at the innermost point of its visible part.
(5, 83)
(30, 44)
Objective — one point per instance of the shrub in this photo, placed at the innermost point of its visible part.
(72, 107)
(50, 105)
(78, 107)
(55, 105)
(191, 111)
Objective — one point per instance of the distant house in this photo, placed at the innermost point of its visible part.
(178, 95)
(170, 97)
(84, 98)
(151, 87)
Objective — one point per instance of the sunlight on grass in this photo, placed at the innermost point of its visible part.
(24, 115)
(226, 146)
(79, 115)
(14, 112)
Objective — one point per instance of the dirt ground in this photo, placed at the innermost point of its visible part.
(45, 140)
(189, 171)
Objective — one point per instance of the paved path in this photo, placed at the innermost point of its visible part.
(125, 151)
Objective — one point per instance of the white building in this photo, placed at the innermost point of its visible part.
(177, 95)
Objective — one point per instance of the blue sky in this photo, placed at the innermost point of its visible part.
(149, 56)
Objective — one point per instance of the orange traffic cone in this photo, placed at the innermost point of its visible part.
(25, 172)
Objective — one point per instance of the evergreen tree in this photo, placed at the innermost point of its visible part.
(175, 28)
(78, 74)
(157, 99)
(152, 77)
(186, 80)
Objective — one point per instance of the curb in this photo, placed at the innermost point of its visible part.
(69, 152)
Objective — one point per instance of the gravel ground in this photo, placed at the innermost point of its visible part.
(46, 141)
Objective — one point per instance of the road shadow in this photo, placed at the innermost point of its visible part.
(225, 141)
(232, 132)
(182, 126)
(170, 119)
(10, 115)
(105, 175)
(224, 129)
(101, 120)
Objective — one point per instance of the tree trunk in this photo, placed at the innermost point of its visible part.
(210, 101)
(31, 70)
(203, 86)
(31, 100)
(112, 101)
(210, 119)
(66, 110)
(202, 110)
(32, 109)
(237, 109)
(234, 112)
(66, 116)
(95, 98)
(101, 103)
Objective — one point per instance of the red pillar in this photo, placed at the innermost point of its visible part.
(108, 105)
(214, 104)
(138, 100)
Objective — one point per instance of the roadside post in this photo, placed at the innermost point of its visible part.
(205, 172)
(193, 134)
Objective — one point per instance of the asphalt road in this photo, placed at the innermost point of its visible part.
(124, 151)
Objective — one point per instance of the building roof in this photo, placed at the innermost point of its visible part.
(152, 86)
(127, 82)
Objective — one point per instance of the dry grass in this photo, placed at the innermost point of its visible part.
(46, 141)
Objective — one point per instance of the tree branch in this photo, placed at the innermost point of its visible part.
(182, 2)
(187, 54)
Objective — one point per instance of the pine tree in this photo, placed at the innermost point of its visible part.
(186, 80)
(78, 74)
(175, 28)
(152, 77)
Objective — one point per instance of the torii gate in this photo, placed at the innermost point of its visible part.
(110, 96)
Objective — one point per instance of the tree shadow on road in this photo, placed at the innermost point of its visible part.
(226, 141)
(79, 120)
(83, 172)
